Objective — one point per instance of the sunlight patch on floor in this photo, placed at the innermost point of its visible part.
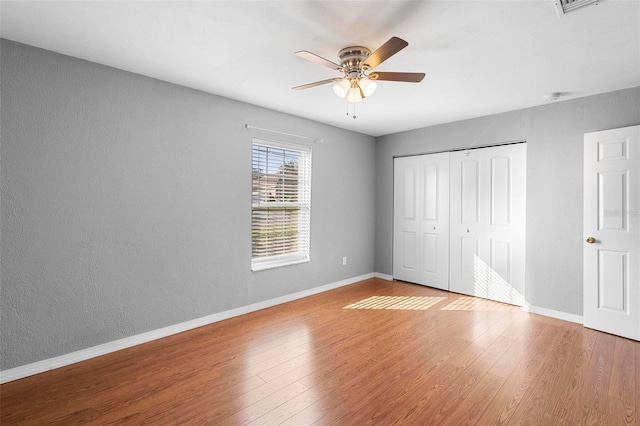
(396, 302)
(477, 304)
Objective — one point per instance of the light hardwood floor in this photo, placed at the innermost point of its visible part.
(375, 352)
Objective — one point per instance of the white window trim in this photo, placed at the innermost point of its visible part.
(302, 256)
(260, 264)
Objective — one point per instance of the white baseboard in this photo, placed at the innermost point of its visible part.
(92, 352)
(383, 276)
(553, 314)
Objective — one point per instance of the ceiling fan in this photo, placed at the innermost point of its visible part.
(356, 63)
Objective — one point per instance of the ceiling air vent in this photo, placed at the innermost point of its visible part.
(566, 6)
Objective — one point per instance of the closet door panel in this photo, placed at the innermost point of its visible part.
(469, 191)
(421, 209)
(430, 256)
(505, 228)
(406, 223)
(466, 216)
(488, 208)
(500, 191)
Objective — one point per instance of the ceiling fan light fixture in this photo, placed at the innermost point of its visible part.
(341, 89)
(354, 94)
(367, 85)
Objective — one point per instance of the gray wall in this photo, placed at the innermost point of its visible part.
(126, 205)
(554, 135)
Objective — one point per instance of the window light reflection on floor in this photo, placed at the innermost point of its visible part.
(477, 304)
(396, 302)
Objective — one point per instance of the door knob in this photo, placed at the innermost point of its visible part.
(591, 240)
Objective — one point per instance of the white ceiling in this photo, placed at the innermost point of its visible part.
(480, 57)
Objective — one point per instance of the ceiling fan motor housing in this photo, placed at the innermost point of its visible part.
(351, 60)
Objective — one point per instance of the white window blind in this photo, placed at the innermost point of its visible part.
(281, 204)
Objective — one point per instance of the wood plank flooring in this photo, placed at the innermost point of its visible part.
(372, 353)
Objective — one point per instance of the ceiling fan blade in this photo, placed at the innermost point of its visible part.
(318, 60)
(384, 52)
(316, 83)
(409, 77)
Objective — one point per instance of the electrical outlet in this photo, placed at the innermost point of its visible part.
(344, 260)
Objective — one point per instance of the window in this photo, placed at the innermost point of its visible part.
(280, 204)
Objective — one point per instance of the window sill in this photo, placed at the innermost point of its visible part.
(271, 264)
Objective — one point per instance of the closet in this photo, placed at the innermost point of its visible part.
(459, 221)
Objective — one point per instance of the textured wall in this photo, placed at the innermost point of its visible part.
(126, 205)
(554, 135)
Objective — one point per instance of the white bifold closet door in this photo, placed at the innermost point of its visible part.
(487, 222)
(421, 220)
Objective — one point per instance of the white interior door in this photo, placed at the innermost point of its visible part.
(612, 231)
(487, 202)
(421, 220)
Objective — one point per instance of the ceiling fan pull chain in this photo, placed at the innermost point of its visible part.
(354, 110)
